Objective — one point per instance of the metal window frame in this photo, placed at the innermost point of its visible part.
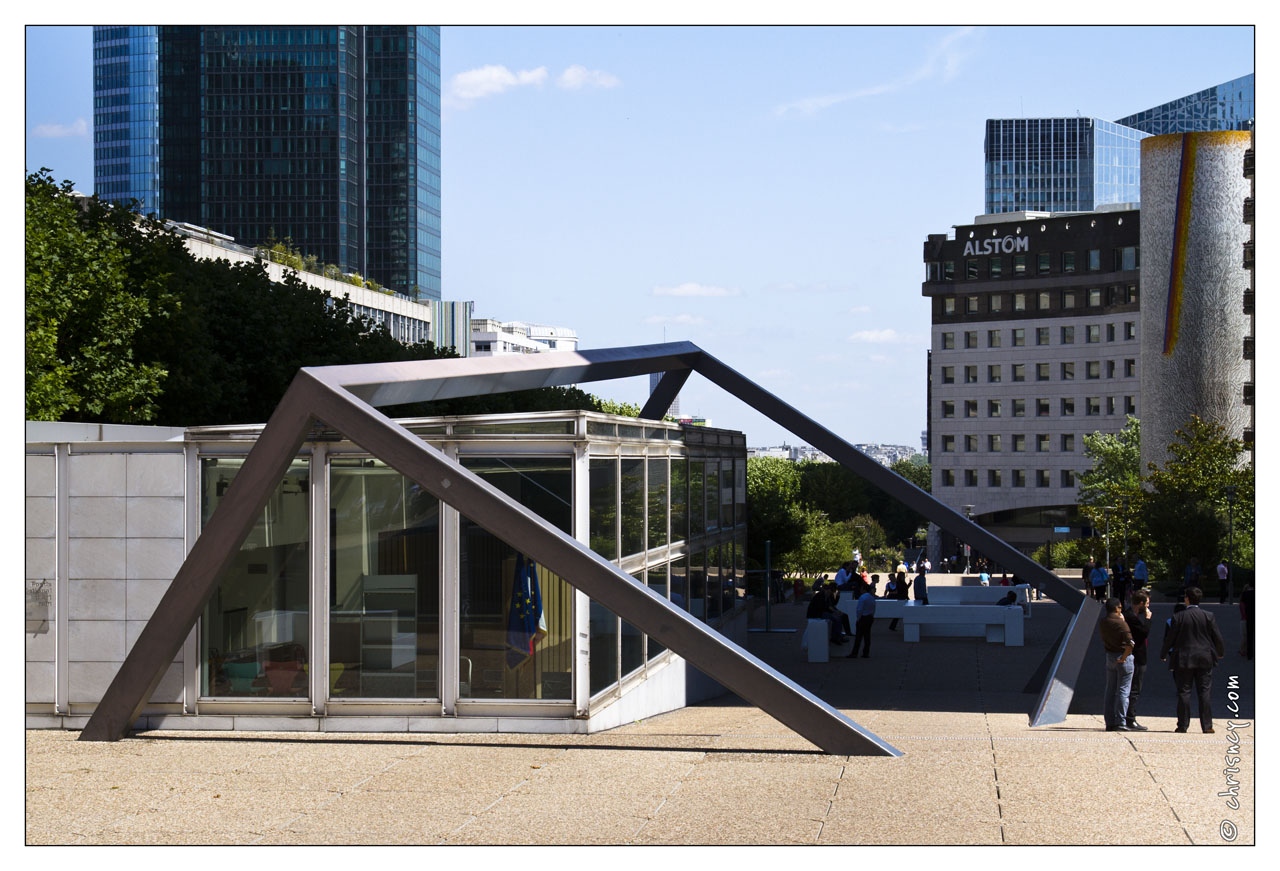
(346, 398)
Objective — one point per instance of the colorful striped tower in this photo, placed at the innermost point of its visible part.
(1193, 326)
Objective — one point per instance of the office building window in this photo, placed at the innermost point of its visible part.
(1067, 335)
(1042, 408)
(948, 478)
(1019, 371)
(993, 408)
(1068, 299)
(970, 269)
(1093, 406)
(1130, 330)
(1094, 297)
(1019, 443)
(971, 477)
(970, 374)
(1042, 300)
(1130, 407)
(1042, 263)
(1130, 294)
(1019, 264)
(1111, 368)
(971, 339)
(1111, 405)
(1042, 441)
(1068, 407)
(1019, 302)
(1068, 261)
(1112, 295)
(948, 408)
(993, 443)
(1019, 337)
(993, 477)
(970, 443)
(971, 408)
(971, 305)
(1095, 259)
(948, 444)
(1042, 371)
(1092, 369)
(996, 302)
(1042, 335)
(1068, 371)
(948, 341)
(1068, 442)
(1019, 478)
(1042, 477)
(948, 305)
(949, 270)
(948, 374)
(993, 338)
(1092, 334)
(933, 271)
(1130, 367)
(993, 374)
(994, 266)
(1019, 407)
(1127, 258)
(1068, 478)
(1111, 332)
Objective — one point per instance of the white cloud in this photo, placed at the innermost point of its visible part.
(491, 79)
(577, 77)
(78, 127)
(887, 336)
(860, 310)
(692, 288)
(683, 320)
(943, 62)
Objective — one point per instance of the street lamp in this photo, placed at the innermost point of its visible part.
(968, 515)
(1106, 519)
(1231, 504)
(1124, 511)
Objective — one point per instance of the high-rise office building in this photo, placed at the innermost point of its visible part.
(1228, 106)
(1060, 164)
(327, 136)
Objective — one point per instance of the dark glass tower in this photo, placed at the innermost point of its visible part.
(328, 136)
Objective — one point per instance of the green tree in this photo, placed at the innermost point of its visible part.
(833, 489)
(1112, 489)
(1186, 506)
(773, 492)
(85, 304)
(822, 548)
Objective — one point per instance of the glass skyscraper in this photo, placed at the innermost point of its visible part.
(1060, 164)
(1228, 106)
(326, 136)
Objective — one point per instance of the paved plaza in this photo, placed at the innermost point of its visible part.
(717, 773)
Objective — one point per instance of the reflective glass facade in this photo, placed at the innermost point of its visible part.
(1060, 164)
(327, 136)
(1228, 106)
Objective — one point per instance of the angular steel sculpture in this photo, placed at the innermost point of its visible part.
(345, 398)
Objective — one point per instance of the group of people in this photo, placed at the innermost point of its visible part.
(1119, 582)
(1192, 645)
(865, 590)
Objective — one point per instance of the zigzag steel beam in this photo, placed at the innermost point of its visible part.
(664, 394)
(604, 582)
(1059, 686)
(213, 551)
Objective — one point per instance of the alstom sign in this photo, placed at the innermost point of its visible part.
(1007, 245)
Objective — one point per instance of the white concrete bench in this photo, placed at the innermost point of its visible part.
(996, 623)
(885, 608)
(980, 596)
(816, 638)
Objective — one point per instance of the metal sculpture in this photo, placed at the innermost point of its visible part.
(345, 398)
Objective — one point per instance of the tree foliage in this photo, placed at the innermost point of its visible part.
(773, 492)
(1112, 489)
(823, 545)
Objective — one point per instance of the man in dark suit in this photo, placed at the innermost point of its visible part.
(1192, 647)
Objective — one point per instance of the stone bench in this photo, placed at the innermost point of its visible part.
(816, 638)
(996, 623)
(885, 608)
(979, 596)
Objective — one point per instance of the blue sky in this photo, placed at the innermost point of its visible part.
(761, 191)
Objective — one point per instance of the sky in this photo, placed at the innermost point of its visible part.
(763, 192)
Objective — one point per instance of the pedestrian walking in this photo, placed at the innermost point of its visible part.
(866, 614)
(1192, 647)
(1098, 581)
(1117, 642)
(922, 588)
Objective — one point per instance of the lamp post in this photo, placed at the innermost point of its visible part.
(1124, 511)
(968, 515)
(1231, 504)
(1106, 519)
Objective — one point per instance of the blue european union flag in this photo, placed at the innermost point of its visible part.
(526, 624)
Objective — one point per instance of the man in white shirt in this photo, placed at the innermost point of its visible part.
(1224, 590)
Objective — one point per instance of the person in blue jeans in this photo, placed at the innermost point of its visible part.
(1117, 644)
(866, 614)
